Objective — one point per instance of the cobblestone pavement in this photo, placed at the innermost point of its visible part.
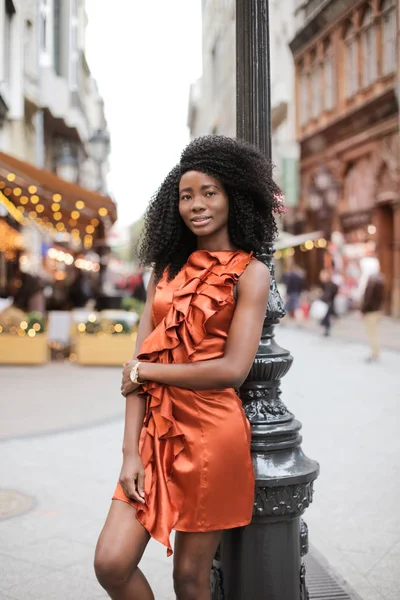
(349, 412)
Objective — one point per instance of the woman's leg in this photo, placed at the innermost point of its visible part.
(193, 557)
(371, 321)
(119, 549)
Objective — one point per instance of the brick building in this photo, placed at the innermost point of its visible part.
(346, 55)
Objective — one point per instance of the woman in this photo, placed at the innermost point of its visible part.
(186, 449)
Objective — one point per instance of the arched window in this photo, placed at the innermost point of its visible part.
(388, 36)
(316, 87)
(304, 95)
(351, 61)
(329, 77)
(368, 48)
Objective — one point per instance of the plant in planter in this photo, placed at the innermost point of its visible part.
(104, 342)
(23, 338)
(133, 305)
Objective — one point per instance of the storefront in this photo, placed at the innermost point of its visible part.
(50, 214)
(11, 246)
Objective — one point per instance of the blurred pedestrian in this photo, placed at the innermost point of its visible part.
(28, 293)
(294, 280)
(371, 309)
(329, 293)
(138, 290)
(79, 292)
(197, 339)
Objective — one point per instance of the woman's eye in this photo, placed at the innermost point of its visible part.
(185, 197)
(210, 194)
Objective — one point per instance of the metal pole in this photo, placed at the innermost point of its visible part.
(253, 80)
(264, 559)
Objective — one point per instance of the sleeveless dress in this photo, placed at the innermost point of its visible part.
(195, 444)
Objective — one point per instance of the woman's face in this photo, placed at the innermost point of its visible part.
(203, 204)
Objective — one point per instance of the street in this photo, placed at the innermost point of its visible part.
(349, 412)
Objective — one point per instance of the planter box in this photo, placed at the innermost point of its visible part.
(104, 349)
(16, 350)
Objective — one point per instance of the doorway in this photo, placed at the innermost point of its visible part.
(385, 248)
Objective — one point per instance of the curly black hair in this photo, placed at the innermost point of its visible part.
(254, 199)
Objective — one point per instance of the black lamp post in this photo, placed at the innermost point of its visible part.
(264, 560)
(99, 145)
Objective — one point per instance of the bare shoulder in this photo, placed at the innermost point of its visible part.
(255, 279)
(256, 271)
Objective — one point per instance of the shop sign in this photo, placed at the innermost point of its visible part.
(355, 220)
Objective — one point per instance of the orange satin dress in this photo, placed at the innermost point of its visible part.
(195, 444)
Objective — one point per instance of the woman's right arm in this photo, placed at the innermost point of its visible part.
(132, 472)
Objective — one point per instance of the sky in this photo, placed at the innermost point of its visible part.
(144, 55)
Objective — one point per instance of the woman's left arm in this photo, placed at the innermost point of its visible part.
(231, 370)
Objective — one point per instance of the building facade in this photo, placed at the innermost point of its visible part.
(50, 107)
(54, 143)
(212, 103)
(346, 56)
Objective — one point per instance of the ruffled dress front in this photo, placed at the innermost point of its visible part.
(195, 444)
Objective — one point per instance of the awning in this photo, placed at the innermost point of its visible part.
(58, 205)
(288, 240)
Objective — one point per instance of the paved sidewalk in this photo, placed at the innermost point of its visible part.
(350, 328)
(350, 414)
(56, 397)
(47, 553)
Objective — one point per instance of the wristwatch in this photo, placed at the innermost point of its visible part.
(134, 374)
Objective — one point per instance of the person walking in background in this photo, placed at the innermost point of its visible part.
(294, 281)
(371, 309)
(329, 293)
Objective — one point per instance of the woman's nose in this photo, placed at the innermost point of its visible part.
(198, 203)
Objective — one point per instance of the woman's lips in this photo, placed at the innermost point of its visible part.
(200, 221)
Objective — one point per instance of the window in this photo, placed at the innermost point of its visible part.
(316, 88)
(388, 37)
(304, 96)
(57, 45)
(7, 50)
(329, 77)
(368, 49)
(351, 62)
(29, 48)
(44, 25)
(217, 74)
(73, 47)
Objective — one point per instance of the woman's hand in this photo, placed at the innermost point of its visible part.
(132, 477)
(127, 386)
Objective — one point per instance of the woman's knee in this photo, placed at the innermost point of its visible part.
(112, 570)
(190, 582)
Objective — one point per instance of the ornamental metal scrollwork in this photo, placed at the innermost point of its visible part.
(289, 500)
(303, 538)
(271, 368)
(304, 595)
(263, 410)
(275, 309)
(217, 588)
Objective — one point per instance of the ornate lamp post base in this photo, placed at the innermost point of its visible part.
(264, 559)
